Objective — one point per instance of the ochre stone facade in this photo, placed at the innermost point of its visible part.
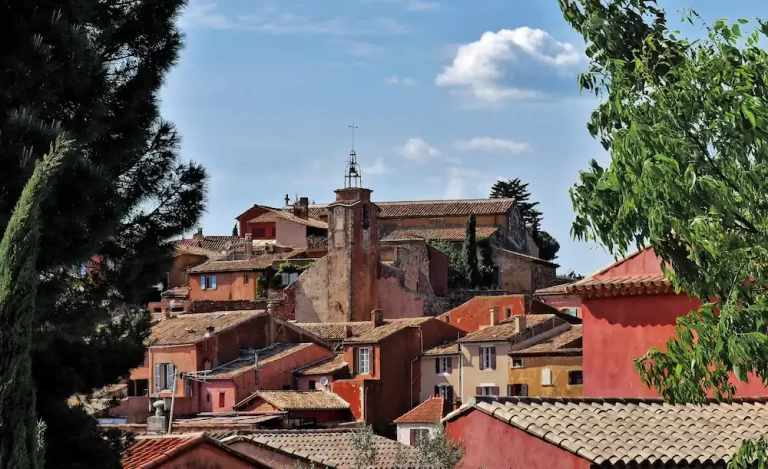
(533, 367)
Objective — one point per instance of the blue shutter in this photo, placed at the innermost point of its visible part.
(213, 282)
(170, 370)
(202, 282)
(157, 378)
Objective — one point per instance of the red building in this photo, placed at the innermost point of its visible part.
(188, 450)
(559, 298)
(627, 308)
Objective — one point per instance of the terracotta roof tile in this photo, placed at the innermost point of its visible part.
(561, 289)
(624, 431)
(332, 448)
(335, 331)
(429, 411)
(273, 216)
(191, 328)
(146, 452)
(390, 326)
(445, 349)
(258, 262)
(535, 324)
(328, 366)
(299, 400)
(176, 292)
(266, 355)
(567, 342)
(623, 285)
(441, 234)
(429, 208)
(207, 245)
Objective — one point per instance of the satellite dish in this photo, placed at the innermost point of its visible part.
(324, 381)
(227, 245)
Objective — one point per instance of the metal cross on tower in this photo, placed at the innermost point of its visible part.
(353, 177)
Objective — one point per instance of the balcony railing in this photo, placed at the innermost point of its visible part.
(317, 242)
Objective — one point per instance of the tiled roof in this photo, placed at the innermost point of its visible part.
(429, 411)
(148, 452)
(335, 331)
(430, 208)
(655, 284)
(567, 342)
(506, 330)
(333, 448)
(390, 326)
(633, 432)
(328, 366)
(299, 400)
(445, 349)
(258, 262)
(208, 244)
(273, 216)
(176, 292)
(191, 328)
(266, 355)
(233, 421)
(441, 234)
(554, 289)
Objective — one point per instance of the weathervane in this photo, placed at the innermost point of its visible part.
(353, 177)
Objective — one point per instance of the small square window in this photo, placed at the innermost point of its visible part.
(517, 363)
(575, 377)
(246, 279)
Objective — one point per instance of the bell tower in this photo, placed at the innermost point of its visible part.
(353, 248)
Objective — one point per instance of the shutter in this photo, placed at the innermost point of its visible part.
(356, 359)
(493, 358)
(213, 282)
(524, 390)
(482, 358)
(510, 390)
(437, 390)
(449, 396)
(450, 364)
(478, 391)
(202, 282)
(157, 378)
(169, 369)
(371, 362)
(413, 437)
(437, 364)
(495, 391)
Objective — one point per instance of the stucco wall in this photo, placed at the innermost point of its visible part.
(303, 382)
(210, 396)
(473, 376)
(404, 431)
(430, 379)
(482, 220)
(229, 286)
(310, 294)
(530, 374)
(492, 444)
(476, 313)
(278, 373)
(183, 357)
(205, 456)
(177, 275)
(290, 234)
(397, 302)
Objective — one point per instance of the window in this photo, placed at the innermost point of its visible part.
(208, 282)
(487, 390)
(363, 361)
(258, 233)
(164, 376)
(418, 434)
(517, 390)
(445, 391)
(546, 377)
(208, 397)
(508, 313)
(188, 387)
(139, 387)
(222, 399)
(311, 384)
(575, 377)
(443, 365)
(246, 279)
(488, 358)
(286, 387)
(289, 277)
(516, 363)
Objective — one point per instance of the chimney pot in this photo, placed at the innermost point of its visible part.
(377, 317)
(347, 331)
(494, 315)
(166, 312)
(209, 331)
(248, 245)
(199, 234)
(519, 323)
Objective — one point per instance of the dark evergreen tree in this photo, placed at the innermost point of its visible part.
(548, 246)
(93, 70)
(470, 252)
(19, 445)
(234, 230)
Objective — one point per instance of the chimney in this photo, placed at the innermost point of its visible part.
(304, 207)
(377, 317)
(494, 315)
(347, 331)
(157, 424)
(165, 311)
(209, 331)
(519, 323)
(199, 234)
(248, 245)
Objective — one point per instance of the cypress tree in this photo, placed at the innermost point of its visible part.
(470, 252)
(234, 230)
(19, 445)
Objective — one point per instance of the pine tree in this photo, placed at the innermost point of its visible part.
(19, 445)
(93, 70)
(470, 252)
(234, 230)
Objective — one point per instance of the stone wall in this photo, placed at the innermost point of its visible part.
(519, 273)
(209, 306)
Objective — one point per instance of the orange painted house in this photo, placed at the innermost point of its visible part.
(627, 308)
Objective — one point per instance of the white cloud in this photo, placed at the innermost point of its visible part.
(492, 145)
(377, 169)
(397, 80)
(417, 149)
(479, 67)
(270, 20)
(454, 189)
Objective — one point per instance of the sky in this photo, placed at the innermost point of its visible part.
(449, 96)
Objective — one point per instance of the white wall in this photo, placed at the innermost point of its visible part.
(404, 431)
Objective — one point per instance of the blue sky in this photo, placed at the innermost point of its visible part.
(449, 96)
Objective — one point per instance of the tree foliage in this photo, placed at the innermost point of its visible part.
(686, 125)
(469, 252)
(20, 446)
(92, 70)
(234, 230)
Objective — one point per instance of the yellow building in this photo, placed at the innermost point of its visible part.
(549, 368)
